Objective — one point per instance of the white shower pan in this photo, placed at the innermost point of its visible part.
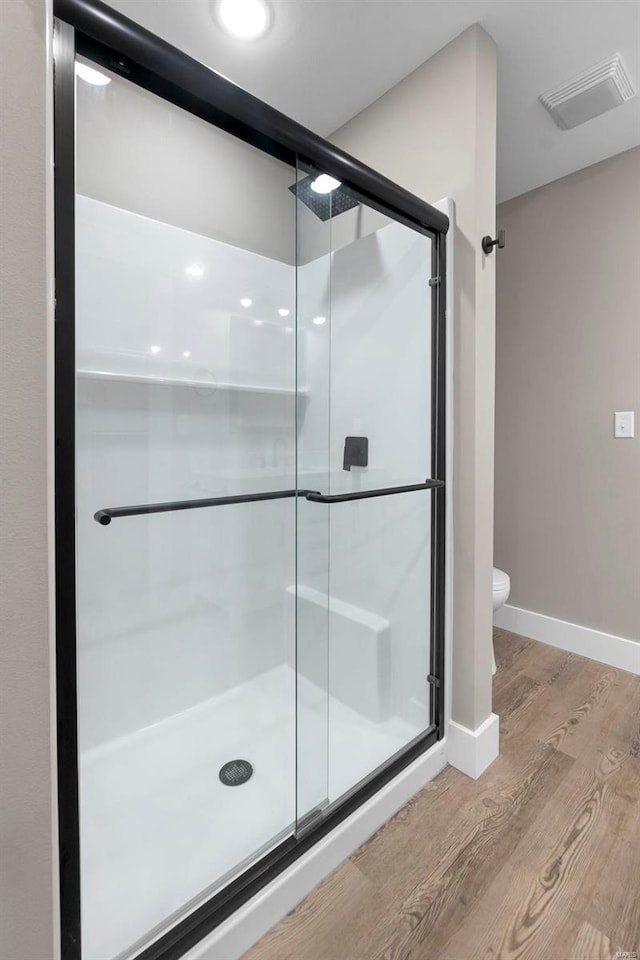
(153, 797)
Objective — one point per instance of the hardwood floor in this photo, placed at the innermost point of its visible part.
(537, 860)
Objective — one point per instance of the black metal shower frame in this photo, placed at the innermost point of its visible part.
(95, 31)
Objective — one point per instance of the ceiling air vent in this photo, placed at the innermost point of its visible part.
(591, 93)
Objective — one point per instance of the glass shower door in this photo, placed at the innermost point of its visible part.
(365, 445)
(254, 505)
(185, 455)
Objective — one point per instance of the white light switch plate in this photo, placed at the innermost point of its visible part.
(623, 424)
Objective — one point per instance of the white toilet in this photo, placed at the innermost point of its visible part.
(501, 588)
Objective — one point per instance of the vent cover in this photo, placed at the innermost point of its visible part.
(591, 93)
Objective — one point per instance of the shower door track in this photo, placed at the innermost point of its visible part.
(98, 32)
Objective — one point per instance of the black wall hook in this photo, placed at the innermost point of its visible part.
(488, 244)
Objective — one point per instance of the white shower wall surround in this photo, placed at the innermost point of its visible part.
(149, 293)
(222, 577)
(200, 607)
(368, 373)
(185, 619)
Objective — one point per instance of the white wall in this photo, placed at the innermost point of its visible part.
(27, 841)
(177, 608)
(435, 134)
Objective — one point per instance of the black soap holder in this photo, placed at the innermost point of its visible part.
(356, 452)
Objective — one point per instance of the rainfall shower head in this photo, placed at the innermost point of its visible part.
(324, 205)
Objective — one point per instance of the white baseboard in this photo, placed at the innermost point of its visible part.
(472, 751)
(237, 934)
(605, 647)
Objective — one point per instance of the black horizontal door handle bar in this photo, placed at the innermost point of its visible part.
(365, 494)
(105, 516)
(111, 513)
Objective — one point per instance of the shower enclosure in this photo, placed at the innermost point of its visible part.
(249, 487)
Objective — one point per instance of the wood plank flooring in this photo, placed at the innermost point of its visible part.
(537, 860)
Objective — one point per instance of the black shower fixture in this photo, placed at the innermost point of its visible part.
(356, 452)
(324, 205)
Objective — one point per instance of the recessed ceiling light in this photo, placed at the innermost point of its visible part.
(319, 321)
(246, 19)
(92, 76)
(324, 184)
(187, 353)
(258, 323)
(246, 302)
(284, 312)
(155, 349)
(194, 270)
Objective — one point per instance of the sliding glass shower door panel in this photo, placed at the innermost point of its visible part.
(185, 392)
(380, 560)
(254, 459)
(364, 611)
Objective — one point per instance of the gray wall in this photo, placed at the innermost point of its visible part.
(567, 509)
(435, 134)
(148, 156)
(26, 868)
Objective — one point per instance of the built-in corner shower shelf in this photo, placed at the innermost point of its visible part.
(152, 380)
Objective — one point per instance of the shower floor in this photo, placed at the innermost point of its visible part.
(159, 828)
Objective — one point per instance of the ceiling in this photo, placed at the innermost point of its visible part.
(325, 60)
